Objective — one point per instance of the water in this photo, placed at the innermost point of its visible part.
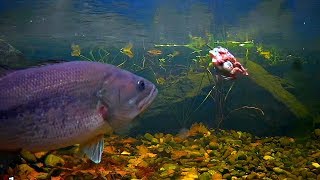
(286, 30)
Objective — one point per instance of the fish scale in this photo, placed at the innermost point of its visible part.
(44, 83)
(35, 128)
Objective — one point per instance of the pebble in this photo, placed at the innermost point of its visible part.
(278, 170)
(53, 160)
(40, 155)
(317, 132)
(25, 169)
(28, 156)
(311, 175)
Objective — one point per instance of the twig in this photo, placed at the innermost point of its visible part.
(246, 107)
(225, 98)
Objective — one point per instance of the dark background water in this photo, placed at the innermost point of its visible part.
(46, 30)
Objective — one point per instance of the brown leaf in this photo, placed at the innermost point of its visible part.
(129, 140)
(142, 150)
(178, 154)
(110, 150)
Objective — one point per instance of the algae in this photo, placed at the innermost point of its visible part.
(274, 85)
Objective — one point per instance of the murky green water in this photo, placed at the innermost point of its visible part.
(284, 41)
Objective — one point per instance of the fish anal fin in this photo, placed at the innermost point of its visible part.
(94, 148)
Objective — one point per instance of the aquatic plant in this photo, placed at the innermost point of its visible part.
(274, 85)
(101, 54)
(178, 78)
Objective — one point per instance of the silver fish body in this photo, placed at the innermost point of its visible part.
(59, 105)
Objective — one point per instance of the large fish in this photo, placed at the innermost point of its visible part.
(55, 106)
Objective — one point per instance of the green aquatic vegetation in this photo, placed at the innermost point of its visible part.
(196, 42)
(274, 85)
(99, 54)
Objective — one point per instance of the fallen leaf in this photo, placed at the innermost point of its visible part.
(178, 154)
(76, 51)
(127, 50)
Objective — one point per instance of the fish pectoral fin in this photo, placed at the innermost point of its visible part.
(93, 149)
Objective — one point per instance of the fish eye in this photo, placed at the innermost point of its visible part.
(141, 85)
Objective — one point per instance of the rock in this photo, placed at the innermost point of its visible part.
(317, 133)
(148, 136)
(40, 155)
(267, 157)
(28, 156)
(278, 170)
(216, 176)
(155, 141)
(205, 176)
(304, 173)
(53, 160)
(242, 155)
(42, 175)
(227, 176)
(311, 175)
(25, 169)
(285, 141)
(213, 145)
(253, 175)
(204, 169)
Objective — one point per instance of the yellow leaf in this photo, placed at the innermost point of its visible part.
(198, 129)
(110, 150)
(142, 150)
(178, 154)
(125, 153)
(127, 50)
(155, 52)
(76, 51)
(151, 155)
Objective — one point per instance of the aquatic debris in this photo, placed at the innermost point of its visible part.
(76, 51)
(160, 80)
(174, 54)
(315, 164)
(155, 52)
(198, 129)
(226, 63)
(127, 50)
(196, 43)
(267, 157)
(264, 53)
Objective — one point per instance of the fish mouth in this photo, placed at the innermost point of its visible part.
(149, 99)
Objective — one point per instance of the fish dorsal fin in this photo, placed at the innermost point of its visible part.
(4, 70)
(49, 62)
(94, 148)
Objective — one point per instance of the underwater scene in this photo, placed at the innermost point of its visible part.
(159, 89)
